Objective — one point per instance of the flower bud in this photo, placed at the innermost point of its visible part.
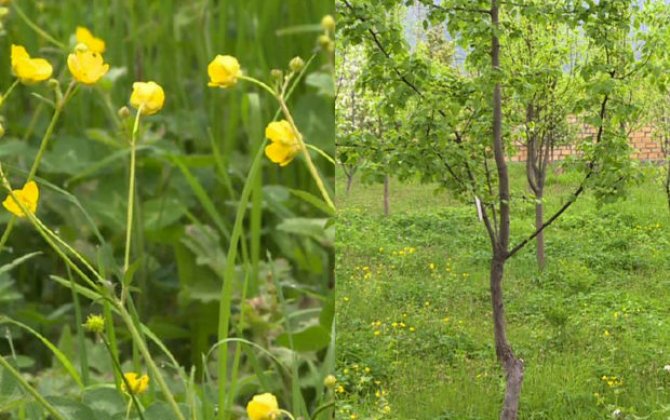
(95, 324)
(296, 64)
(81, 47)
(277, 74)
(123, 112)
(328, 23)
(2, 130)
(330, 381)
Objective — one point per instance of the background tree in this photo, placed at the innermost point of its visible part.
(459, 133)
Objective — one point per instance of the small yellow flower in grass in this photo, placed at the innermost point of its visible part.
(95, 324)
(223, 71)
(29, 70)
(86, 66)
(147, 96)
(28, 196)
(263, 407)
(284, 145)
(84, 36)
(138, 384)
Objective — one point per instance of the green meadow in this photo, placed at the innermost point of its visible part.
(415, 332)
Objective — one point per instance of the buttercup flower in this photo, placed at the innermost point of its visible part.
(285, 143)
(29, 70)
(28, 196)
(86, 66)
(147, 96)
(138, 384)
(84, 36)
(223, 71)
(263, 407)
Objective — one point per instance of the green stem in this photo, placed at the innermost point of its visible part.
(229, 279)
(287, 414)
(119, 370)
(259, 83)
(321, 152)
(137, 338)
(308, 157)
(81, 342)
(36, 28)
(4, 97)
(131, 195)
(32, 391)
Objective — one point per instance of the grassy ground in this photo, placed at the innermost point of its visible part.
(415, 337)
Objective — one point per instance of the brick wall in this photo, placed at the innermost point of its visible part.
(646, 147)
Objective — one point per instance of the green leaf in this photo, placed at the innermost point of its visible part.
(104, 400)
(71, 409)
(312, 338)
(314, 228)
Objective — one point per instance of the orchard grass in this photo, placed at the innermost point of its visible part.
(413, 305)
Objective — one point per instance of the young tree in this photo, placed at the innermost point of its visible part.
(459, 133)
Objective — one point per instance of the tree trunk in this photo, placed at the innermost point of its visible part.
(386, 195)
(513, 366)
(350, 180)
(539, 220)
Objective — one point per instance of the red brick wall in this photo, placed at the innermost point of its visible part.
(646, 147)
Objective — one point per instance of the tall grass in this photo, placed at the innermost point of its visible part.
(192, 164)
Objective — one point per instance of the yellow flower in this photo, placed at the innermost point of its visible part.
(86, 66)
(223, 71)
(95, 324)
(284, 145)
(149, 97)
(28, 196)
(84, 36)
(29, 70)
(138, 384)
(263, 407)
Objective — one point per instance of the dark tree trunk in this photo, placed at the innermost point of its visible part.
(513, 366)
(386, 196)
(539, 221)
(350, 180)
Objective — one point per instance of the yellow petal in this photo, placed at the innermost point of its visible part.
(280, 131)
(31, 192)
(279, 153)
(147, 96)
(223, 71)
(87, 67)
(263, 407)
(28, 196)
(85, 36)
